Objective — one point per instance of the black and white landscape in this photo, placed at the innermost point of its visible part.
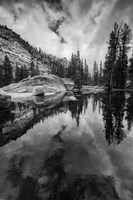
(66, 100)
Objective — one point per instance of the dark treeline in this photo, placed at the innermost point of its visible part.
(78, 71)
(77, 68)
(10, 74)
(117, 72)
(97, 76)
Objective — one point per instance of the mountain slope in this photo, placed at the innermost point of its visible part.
(18, 50)
(21, 52)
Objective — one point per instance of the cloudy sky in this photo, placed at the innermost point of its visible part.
(60, 27)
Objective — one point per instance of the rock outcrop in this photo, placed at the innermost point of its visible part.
(49, 83)
(69, 84)
(5, 100)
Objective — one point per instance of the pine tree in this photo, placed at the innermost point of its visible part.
(95, 73)
(37, 69)
(32, 69)
(72, 68)
(81, 69)
(116, 63)
(76, 70)
(24, 72)
(17, 73)
(86, 73)
(126, 36)
(100, 74)
(1, 75)
(110, 60)
(8, 74)
(21, 73)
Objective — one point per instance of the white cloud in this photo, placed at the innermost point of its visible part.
(87, 26)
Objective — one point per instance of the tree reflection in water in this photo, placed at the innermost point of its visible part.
(113, 105)
(116, 107)
(129, 110)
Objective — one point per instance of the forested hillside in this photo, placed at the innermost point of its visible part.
(19, 60)
(22, 59)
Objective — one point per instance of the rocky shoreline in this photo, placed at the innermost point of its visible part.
(34, 86)
(45, 85)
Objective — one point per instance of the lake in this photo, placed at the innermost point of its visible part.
(64, 149)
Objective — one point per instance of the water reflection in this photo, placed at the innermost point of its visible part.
(53, 179)
(23, 116)
(116, 108)
(59, 152)
(129, 110)
(113, 113)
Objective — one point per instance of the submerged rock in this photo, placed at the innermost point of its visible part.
(5, 100)
(48, 82)
(69, 84)
(69, 96)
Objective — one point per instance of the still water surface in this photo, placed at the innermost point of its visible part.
(68, 150)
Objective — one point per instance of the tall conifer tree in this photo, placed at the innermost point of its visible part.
(8, 74)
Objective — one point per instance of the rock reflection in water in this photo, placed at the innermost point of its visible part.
(49, 101)
(23, 115)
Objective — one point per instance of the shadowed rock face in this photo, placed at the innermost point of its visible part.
(5, 100)
(50, 83)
